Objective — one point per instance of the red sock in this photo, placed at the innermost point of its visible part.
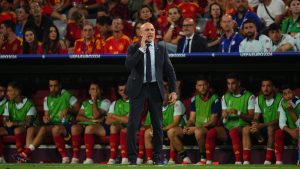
(236, 144)
(27, 151)
(76, 145)
(123, 144)
(269, 154)
(89, 145)
(20, 141)
(1, 147)
(141, 143)
(279, 144)
(246, 154)
(149, 153)
(114, 142)
(172, 154)
(210, 143)
(60, 144)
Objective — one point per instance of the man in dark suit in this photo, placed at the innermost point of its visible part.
(148, 62)
(191, 42)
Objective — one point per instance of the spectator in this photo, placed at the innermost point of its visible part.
(88, 44)
(291, 25)
(190, 41)
(209, 2)
(281, 42)
(173, 29)
(270, 11)
(52, 43)
(58, 106)
(265, 121)
(49, 10)
(137, 32)
(117, 118)
(254, 42)
(30, 43)
(89, 120)
(3, 130)
(102, 11)
(119, 8)
(145, 14)
(19, 114)
(289, 111)
(243, 13)
(37, 21)
(117, 43)
(237, 112)
(190, 9)
(297, 41)
(231, 40)
(74, 28)
(9, 42)
(22, 17)
(103, 28)
(6, 11)
(85, 7)
(212, 30)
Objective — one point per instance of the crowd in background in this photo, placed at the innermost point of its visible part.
(110, 26)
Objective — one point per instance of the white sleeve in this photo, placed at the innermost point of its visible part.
(267, 43)
(279, 8)
(282, 117)
(179, 108)
(241, 48)
(259, 11)
(257, 108)
(32, 111)
(46, 108)
(298, 120)
(251, 102)
(112, 107)
(105, 105)
(224, 106)
(72, 100)
(6, 112)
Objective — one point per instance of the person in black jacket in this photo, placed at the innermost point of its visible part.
(191, 42)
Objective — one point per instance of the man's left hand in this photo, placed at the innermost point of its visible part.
(172, 97)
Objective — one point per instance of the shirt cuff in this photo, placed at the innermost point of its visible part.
(142, 50)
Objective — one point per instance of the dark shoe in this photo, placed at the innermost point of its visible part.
(158, 163)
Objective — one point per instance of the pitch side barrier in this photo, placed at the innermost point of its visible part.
(176, 55)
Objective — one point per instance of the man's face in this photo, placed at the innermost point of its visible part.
(2, 92)
(249, 30)
(121, 91)
(3, 30)
(54, 87)
(148, 32)
(12, 93)
(267, 87)
(88, 32)
(233, 85)
(94, 90)
(188, 27)
(241, 5)
(35, 9)
(117, 25)
(202, 87)
(227, 23)
(275, 36)
(287, 94)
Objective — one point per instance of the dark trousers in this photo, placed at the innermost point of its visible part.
(150, 92)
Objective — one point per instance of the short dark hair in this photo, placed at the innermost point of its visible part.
(15, 85)
(104, 20)
(9, 24)
(249, 21)
(287, 86)
(274, 27)
(233, 75)
(201, 77)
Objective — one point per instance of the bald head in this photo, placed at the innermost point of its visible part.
(227, 22)
(148, 32)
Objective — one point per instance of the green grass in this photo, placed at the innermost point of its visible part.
(103, 166)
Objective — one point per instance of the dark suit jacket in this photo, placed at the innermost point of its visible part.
(135, 63)
(199, 44)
